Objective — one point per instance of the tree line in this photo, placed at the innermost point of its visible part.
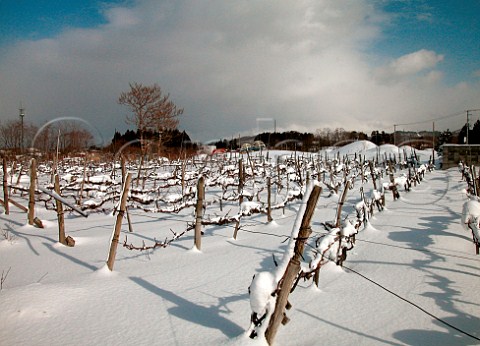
(327, 137)
(156, 119)
(67, 135)
(472, 136)
(167, 141)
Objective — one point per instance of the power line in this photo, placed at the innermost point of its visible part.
(383, 287)
(433, 119)
(408, 301)
(414, 305)
(417, 249)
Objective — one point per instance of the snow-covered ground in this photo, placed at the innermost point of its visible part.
(412, 270)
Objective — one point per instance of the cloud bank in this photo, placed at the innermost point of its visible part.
(306, 64)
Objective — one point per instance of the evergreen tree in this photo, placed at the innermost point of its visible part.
(474, 135)
(462, 135)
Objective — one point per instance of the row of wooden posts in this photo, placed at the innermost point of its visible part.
(288, 278)
(32, 220)
(59, 201)
(286, 283)
(199, 209)
(126, 179)
(30, 210)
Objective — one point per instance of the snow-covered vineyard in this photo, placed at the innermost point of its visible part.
(358, 245)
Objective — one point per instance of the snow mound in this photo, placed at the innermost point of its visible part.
(357, 147)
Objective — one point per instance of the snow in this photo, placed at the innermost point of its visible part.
(100, 179)
(471, 217)
(247, 207)
(370, 151)
(262, 301)
(174, 198)
(354, 148)
(263, 284)
(417, 248)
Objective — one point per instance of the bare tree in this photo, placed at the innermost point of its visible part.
(73, 137)
(70, 135)
(11, 134)
(46, 140)
(151, 109)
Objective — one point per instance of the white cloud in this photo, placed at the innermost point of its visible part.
(410, 64)
(416, 62)
(304, 63)
(121, 17)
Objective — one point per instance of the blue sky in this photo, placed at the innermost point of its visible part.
(355, 64)
(39, 19)
(450, 27)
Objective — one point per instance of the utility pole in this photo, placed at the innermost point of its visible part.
(22, 115)
(394, 134)
(433, 142)
(468, 124)
(469, 111)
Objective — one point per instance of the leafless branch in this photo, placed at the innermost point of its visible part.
(4, 277)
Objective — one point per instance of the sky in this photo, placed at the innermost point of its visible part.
(244, 67)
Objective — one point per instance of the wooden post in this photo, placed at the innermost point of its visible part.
(240, 180)
(54, 169)
(124, 170)
(63, 200)
(341, 202)
(237, 227)
(199, 212)
(395, 192)
(299, 171)
(279, 177)
(60, 215)
(316, 276)
(372, 173)
(18, 205)
(184, 164)
(124, 173)
(31, 197)
(240, 192)
(37, 222)
(19, 177)
(5, 186)
(252, 164)
(80, 193)
(140, 167)
(14, 167)
(129, 220)
(475, 181)
(293, 267)
(269, 200)
(362, 171)
(118, 224)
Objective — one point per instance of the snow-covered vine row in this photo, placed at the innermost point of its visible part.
(331, 246)
(240, 187)
(162, 186)
(471, 208)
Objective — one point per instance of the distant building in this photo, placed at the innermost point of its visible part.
(257, 145)
(454, 153)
